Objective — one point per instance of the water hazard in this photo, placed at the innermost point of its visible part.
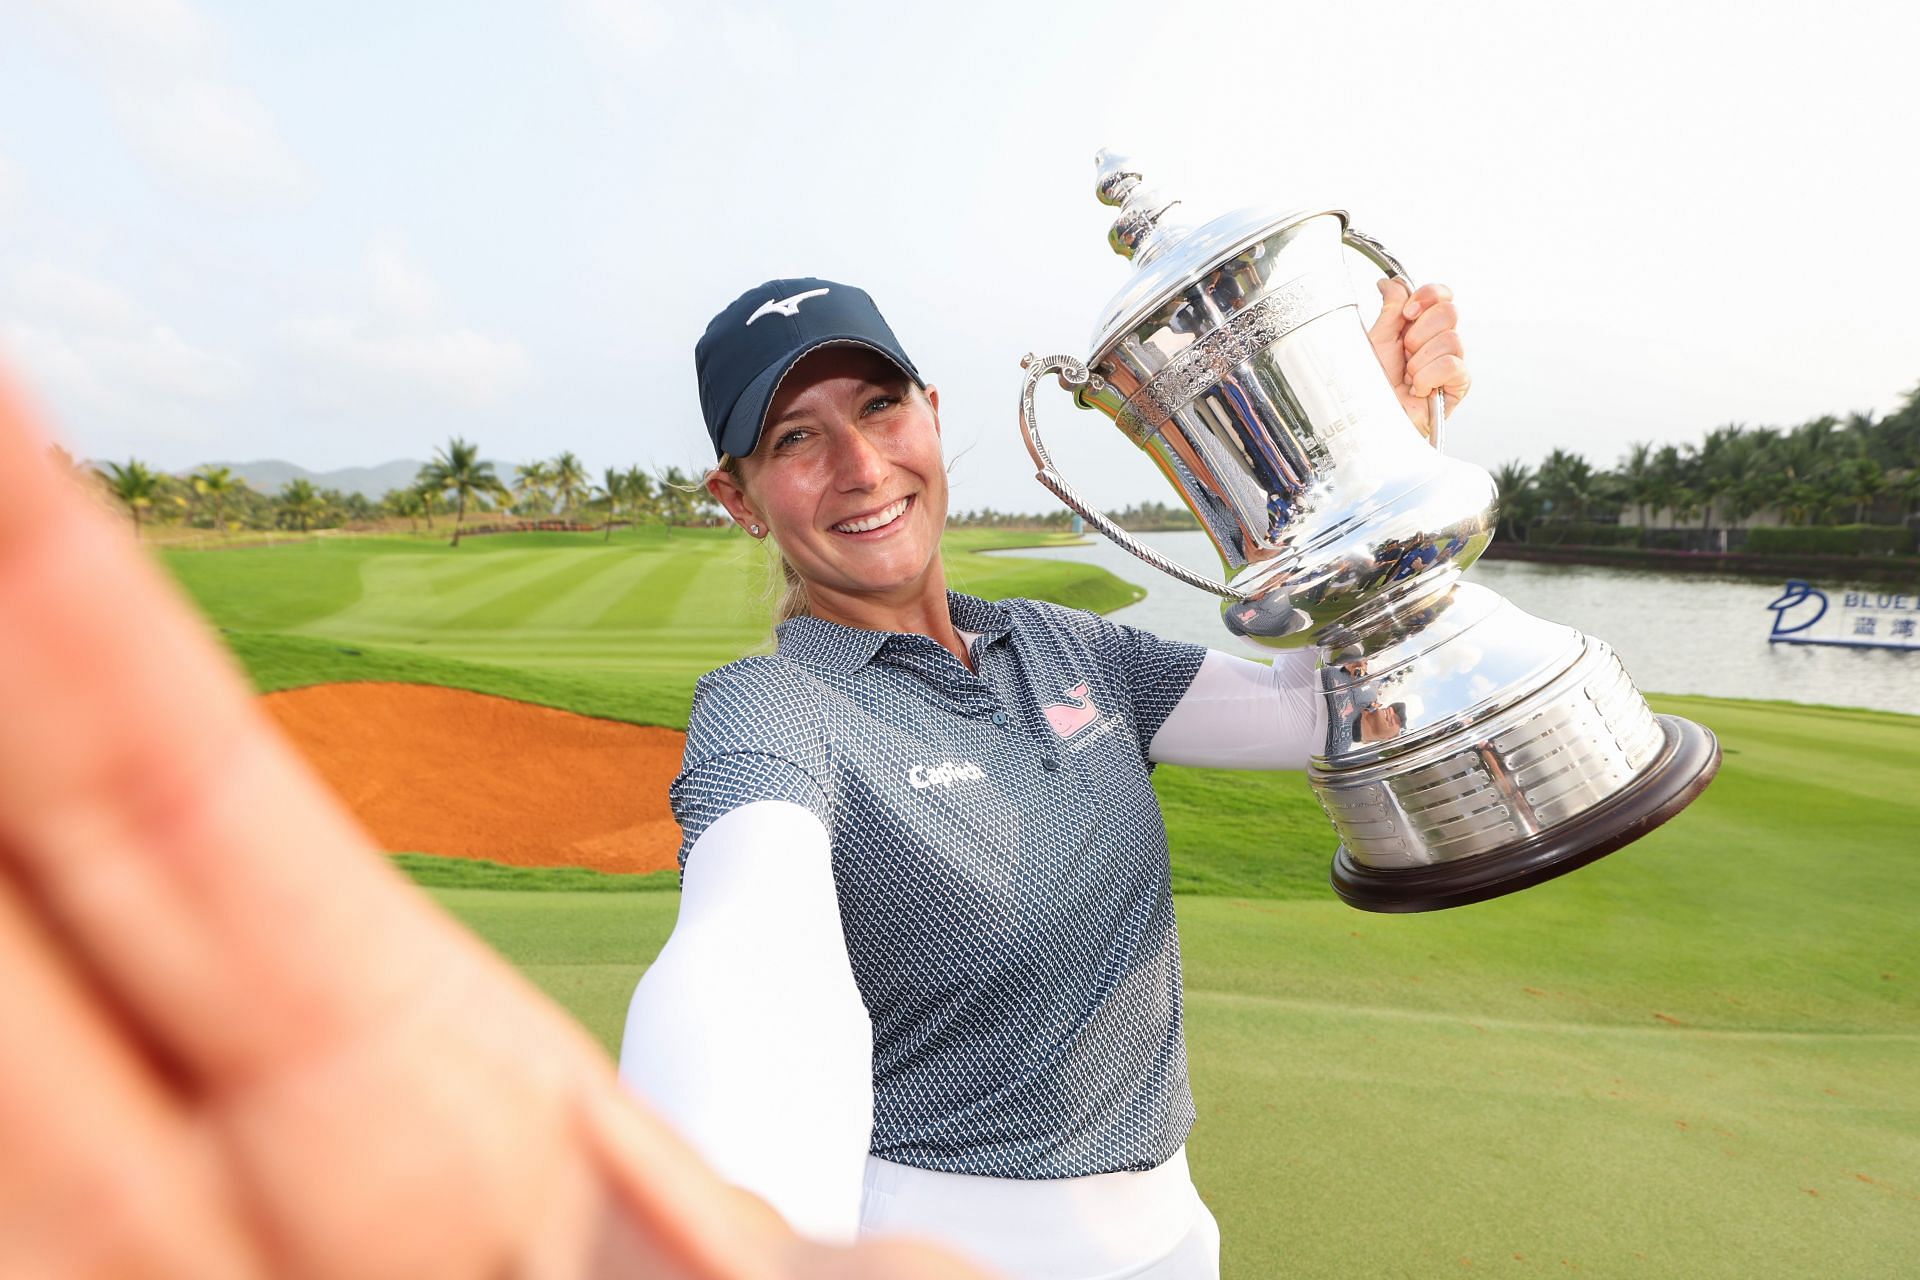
(1677, 633)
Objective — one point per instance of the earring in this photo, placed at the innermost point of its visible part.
(754, 529)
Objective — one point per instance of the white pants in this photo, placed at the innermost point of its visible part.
(1110, 1226)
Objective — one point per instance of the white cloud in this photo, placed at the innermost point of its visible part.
(107, 365)
(756, 40)
(399, 287)
(455, 366)
(66, 298)
(13, 188)
(403, 348)
(620, 30)
(137, 31)
(164, 70)
(216, 137)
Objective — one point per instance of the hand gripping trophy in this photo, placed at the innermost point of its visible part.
(1471, 749)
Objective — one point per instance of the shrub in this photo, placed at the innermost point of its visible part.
(1580, 534)
(1833, 540)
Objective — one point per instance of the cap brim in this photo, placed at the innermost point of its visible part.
(742, 433)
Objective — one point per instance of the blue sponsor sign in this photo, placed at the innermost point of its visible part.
(1804, 614)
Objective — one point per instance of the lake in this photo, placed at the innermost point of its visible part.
(1677, 633)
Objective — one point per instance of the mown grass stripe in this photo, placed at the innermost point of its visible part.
(582, 609)
(522, 606)
(648, 604)
(399, 592)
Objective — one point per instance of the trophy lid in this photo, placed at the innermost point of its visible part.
(1169, 253)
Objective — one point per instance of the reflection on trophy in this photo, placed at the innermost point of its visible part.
(1472, 749)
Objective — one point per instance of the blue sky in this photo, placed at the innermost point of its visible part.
(337, 234)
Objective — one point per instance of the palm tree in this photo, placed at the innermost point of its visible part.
(215, 484)
(1899, 434)
(531, 481)
(1723, 468)
(1803, 463)
(676, 497)
(1909, 491)
(1566, 481)
(1514, 483)
(612, 491)
(135, 485)
(430, 497)
(458, 469)
(301, 502)
(1860, 481)
(642, 501)
(1864, 438)
(1738, 464)
(1668, 480)
(1637, 477)
(569, 482)
(406, 503)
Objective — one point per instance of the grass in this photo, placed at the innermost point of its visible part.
(621, 628)
(1699, 1056)
(435, 872)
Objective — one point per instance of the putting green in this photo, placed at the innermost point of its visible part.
(1699, 1056)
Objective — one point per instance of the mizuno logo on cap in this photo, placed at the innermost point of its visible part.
(784, 306)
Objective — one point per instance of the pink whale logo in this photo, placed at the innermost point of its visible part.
(1068, 719)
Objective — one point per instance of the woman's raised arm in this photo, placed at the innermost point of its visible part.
(748, 1034)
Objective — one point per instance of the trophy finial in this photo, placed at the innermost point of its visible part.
(1136, 233)
(1115, 177)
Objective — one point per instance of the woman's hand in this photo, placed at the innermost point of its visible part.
(1416, 343)
(238, 1043)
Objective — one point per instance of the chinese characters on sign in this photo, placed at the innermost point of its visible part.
(1859, 619)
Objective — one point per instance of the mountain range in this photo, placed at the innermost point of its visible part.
(268, 475)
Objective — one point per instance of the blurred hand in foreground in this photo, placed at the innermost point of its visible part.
(237, 1042)
(1416, 343)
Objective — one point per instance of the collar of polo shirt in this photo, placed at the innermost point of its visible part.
(820, 643)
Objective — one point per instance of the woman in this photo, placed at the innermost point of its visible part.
(925, 977)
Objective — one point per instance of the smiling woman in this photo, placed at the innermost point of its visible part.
(851, 486)
(925, 976)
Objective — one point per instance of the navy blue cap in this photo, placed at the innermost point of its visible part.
(749, 347)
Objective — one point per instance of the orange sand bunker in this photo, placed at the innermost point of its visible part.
(445, 771)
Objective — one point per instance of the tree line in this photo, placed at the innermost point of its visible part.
(1142, 517)
(457, 482)
(1857, 470)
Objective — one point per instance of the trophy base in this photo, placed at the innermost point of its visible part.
(1687, 760)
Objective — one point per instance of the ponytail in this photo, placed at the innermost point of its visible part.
(792, 601)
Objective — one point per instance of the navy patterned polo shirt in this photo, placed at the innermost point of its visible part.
(1001, 866)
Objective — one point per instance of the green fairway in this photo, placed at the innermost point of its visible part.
(620, 628)
(1699, 1056)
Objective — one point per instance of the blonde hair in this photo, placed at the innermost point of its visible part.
(792, 601)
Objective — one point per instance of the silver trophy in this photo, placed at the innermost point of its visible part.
(1472, 749)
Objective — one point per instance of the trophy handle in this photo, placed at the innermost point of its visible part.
(1376, 253)
(1073, 373)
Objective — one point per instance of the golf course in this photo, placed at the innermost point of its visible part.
(1697, 1057)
